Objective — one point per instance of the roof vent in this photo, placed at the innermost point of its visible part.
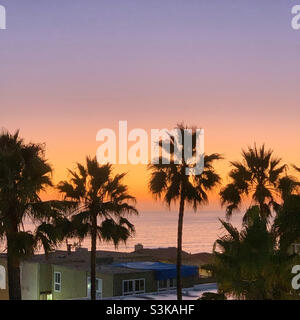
(138, 247)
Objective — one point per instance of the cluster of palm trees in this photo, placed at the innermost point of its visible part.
(256, 262)
(97, 203)
(249, 264)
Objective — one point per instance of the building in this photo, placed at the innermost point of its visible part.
(164, 274)
(42, 281)
(66, 275)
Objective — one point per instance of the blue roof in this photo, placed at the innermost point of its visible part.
(162, 271)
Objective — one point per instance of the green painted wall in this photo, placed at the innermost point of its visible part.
(45, 277)
(107, 284)
(73, 283)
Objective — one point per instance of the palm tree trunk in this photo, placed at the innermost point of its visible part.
(13, 269)
(93, 257)
(179, 248)
(262, 209)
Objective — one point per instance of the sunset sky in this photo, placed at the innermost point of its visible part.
(70, 68)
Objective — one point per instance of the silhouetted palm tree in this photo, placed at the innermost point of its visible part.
(247, 264)
(261, 177)
(99, 196)
(287, 223)
(171, 182)
(24, 173)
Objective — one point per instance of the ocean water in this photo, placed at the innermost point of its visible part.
(159, 230)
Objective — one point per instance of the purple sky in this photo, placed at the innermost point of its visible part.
(69, 68)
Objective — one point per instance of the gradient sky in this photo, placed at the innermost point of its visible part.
(69, 68)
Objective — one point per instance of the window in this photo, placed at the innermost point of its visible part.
(133, 286)
(57, 281)
(166, 284)
(49, 296)
(172, 283)
(128, 287)
(139, 286)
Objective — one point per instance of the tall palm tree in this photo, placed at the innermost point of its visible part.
(103, 202)
(260, 176)
(247, 264)
(171, 182)
(24, 173)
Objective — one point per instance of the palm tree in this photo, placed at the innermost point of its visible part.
(24, 173)
(247, 264)
(171, 182)
(287, 223)
(99, 196)
(259, 176)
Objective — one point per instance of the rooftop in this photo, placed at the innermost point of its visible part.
(81, 260)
